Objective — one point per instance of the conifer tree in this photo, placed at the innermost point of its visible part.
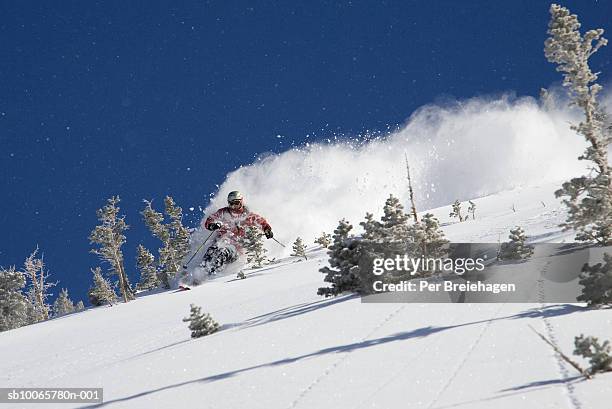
(391, 234)
(389, 237)
(472, 209)
(173, 235)
(343, 270)
(200, 324)
(102, 291)
(515, 249)
(299, 249)
(109, 236)
(372, 229)
(148, 272)
(456, 212)
(13, 304)
(37, 294)
(588, 198)
(394, 221)
(79, 306)
(386, 238)
(254, 246)
(599, 355)
(179, 234)
(427, 238)
(371, 246)
(597, 283)
(324, 240)
(63, 304)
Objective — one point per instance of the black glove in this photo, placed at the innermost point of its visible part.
(214, 226)
(268, 233)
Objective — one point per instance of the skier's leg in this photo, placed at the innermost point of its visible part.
(210, 259)
(223, 256)
(227, 255)
(232, 254)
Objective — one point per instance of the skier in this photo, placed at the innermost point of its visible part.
(231, 222)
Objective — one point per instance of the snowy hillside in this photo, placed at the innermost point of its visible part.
(282, 346)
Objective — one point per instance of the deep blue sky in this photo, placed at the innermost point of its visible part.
(148, 98)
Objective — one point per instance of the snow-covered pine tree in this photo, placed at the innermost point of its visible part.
(343, 270)
(472, 209)
(599, 355)
(372, 229)
(299, 249)
(102, 291)
(588, 198)
(173, 235)
(13, 304)
(393, 227)
(428, 239)
(38, 286)
(148, 272)
(515, 249)
(371, 246)
(79, 306)
(155, 222)
(63, 304)
(179, 235)
(394, 220)
(597, 283)
(324, 240)
(456, 212)
(385, 239)
(254, 246)
(200, 324)
(108, 235)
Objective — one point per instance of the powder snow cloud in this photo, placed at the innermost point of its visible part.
(462, 150)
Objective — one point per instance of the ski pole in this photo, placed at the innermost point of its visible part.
(196, 252)
(278, 242)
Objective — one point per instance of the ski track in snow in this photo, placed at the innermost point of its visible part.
(550, 332)
(342, 359)
(420, 354)
(469, 352)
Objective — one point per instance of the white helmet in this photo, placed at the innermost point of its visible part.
(235, 196)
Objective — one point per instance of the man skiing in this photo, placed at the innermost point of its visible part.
(231, 223)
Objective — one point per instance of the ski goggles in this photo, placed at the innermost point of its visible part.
(236, 202)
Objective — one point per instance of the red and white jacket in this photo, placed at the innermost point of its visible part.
(235, 222)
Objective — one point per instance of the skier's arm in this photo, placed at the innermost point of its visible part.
(213, 222)
(263, 223)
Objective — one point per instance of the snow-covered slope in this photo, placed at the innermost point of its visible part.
(282, 346)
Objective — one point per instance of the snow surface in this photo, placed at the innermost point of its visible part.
(282, 346)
